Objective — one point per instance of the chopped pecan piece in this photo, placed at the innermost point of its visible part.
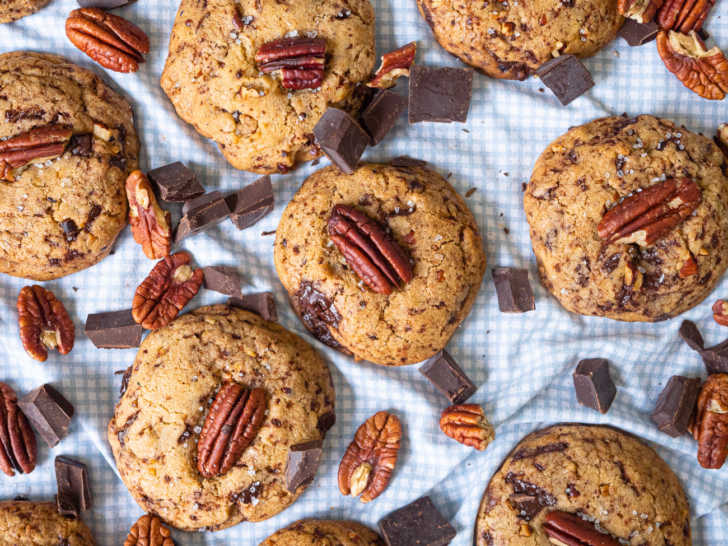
(34, 146)
(44, 323)
(466, 423)
(395, 64)
(684, 15)
(689, 268)
(162, 295)
(367, 465)
(150, 225)
(721, 138)
(300, 59)
(711, 422)
(18, 450)
(369, 250)
(569, 529)
(149, 531)
(642, 11)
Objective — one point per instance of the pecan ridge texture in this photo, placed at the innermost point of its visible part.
(37, 145)
(149, 531)
(44, 323)
(18, 450)
(684, 15)
(466, 423)
(570, 529)
(300, 59)
(150, 224)
(711, 422)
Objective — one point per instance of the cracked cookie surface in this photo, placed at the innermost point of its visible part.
(12, 10)
(63, 215)
(259, 125)
(602, 473)
(25, 523)
(428, 220)
(318, 532)
(177, 372)
(584, 173)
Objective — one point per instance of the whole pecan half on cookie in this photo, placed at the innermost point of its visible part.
(231, 425)
(44, 323)
(150, 225)
(108, 39)
(34, 146)
(149, 531)
(711, 422)
(300, 59)
(571, 530)
(466, 423)
(395, 64)
(684, 15)
(18, 450)
(369, 250)
(642, 11)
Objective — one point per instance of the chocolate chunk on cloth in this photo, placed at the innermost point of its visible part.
(513, 289)
(593, 384)
(637, 34)
(261, 303)
(566, 76)
(381, 115)
(407, 161)
(74, 494)
(676, 405)
(252, 203)
(113, 330)
(715, 358)
(176, 183)
(48, 412)
(202, 213)
(439, 94)
(103, 4)
(303, 461)
(341, 138)
(419, 523)
(445, 374)
(223, 279)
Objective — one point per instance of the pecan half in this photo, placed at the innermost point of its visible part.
(231, 425)
(369, 250)
(720, 312)
(648, 215)
(301, 61)
(711, 421)
(108, 39)
(568, 529)
(162, 295)
(44, 323)
(395, 64)
(34, 146)
(466, 423)
(367, 465)
(18, 450)
(149, 531)
(684, 15)
(704, 72)
(150, 225)
(642, 11)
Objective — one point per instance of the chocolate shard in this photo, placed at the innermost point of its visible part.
(715, 358)
(223, 279)
(261, 303)
(593, 384)
(341, 138)
(48, 412)
(252, 203)
(382, 113)
(691, 335)
(637, 34)
(417, 523)
(513, 289)
(81, 145)
(445, 374)
(566, 76)
(202, 213)
(406, 161)
(74, 494)
(176, 183)
(676, 405)
(439, 94)
(103, 4)
(303, 461)
(113, 330)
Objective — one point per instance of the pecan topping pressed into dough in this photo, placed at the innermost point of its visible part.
(466, 423)
(149, 531)
(395, 65)
(34, 146)
(301, 61)
(44, 323)
(684, 15)
(642, 11)
(711, 422)
(568, 529)
(150, 225)
(720, 312)
(18, 450)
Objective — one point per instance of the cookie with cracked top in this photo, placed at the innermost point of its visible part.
(12, 10)
(25, 523)
(320, 532)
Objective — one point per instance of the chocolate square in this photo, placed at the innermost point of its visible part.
(566, 76)
(202, 213)
(445, 374)
(419, 523)
(676, 405)
(74, 494)
(341, 138)
(250, 204)
(439, 94)
(261, 303)
(593, 384)
(513, 289)
(223, 279)
(382, 113)
(49, 413)
(303, 461)
(113, 330)
(637, 34)
(176, 183)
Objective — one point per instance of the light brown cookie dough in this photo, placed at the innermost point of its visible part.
(176, 375)
(25, 523)
(12, 10)
(214, 83)
(429, 221)
(582, 175)
(320, 532)
(600, 473)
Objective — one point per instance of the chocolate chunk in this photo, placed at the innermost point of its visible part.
(381, 115)
(70, 230)
(303, 461)
(439, 94)
(417, 523)
(202, 213)
(514, 291)
(676, 405)
(252, 203)
(526, 506)
(261, 303)
(176, 183)
(341, 138)
(223, 279)
(49, 413)
(406, 161)
(637, 34)
(715, 358)
(81, 145)
(448, 377)
(113, 330)
(566, 76)
(318, 313)
(593, 384)
(201, 201)
(74, 495)
(103, 4)
(691, 335)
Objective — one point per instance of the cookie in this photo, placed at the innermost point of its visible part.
(177, 373)
(512, 39)
(64, 214)
(605, 167)
(609, 478)
(25, 523)
(321, 532)
(427, 220)
(12, 10)
(258, 124)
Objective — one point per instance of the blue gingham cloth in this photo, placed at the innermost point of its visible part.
(521, 363)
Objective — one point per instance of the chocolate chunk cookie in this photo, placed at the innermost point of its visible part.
(174, 386)
(24, 523)
(260, 99)
(320, 532)
(12, 10)
(629, 218)
(512, 39)
(430, 238)
(68, 144)
(611, 481)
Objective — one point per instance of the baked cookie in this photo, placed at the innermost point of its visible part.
(512, 39)
(606, 476)
(426, 219)
(177, 373)
(63, 211)
(591, 182)
(25, 523)
(215, 83)
(321, 532)
(12, 10)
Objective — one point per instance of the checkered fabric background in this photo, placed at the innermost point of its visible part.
(522, 363)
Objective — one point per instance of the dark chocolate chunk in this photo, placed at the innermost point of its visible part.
(637, 34)
(527, 507)
(406, 161)
(439, 94)
(176, 183)
(566, 76)
(113, 330)
(445, 374)
(252, 203)
(513, 289)
(341, 138)
(691, 335)
(261, 303)
(74, 494)
(103, 4)
(49, 413)
(593, 384)
(202, 213)
(201, 201)
(417, 523)
(676, 405)
(70, 230)
(715, 358)
(382, 113)
(318, 313)
(81, 145)
(303, 461)
(223, 279)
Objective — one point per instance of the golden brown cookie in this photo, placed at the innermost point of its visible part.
(12, 10)
(320, 532)
(24, 523)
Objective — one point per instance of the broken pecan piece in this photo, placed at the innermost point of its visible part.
(149, 531)
(369, 250)
(162, 295)
(150, 225)
(395, 64)
(300, 59)
(684, 15)
(720, 312)
(466, 423)
(650, 214)
(18, 450)
(367, 465)
(108, 39)
(570, 530)
(711, 421)
(642, 11)
(34, 146)
(44, 323)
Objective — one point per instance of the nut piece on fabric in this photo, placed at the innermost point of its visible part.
(18, 449)
(150, 224)
(44, 323)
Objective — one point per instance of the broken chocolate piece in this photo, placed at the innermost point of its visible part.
(341, 138)
(637, 34)
(303, 461)
(252, 203)
(261, 303)
(48, 412)
(513, 289)
(445, 374)
(223, 279)
(417, 523)
(81, 145)
(676, 405)
(74, 495)
(176, 183)
(715, 358)
(382, 113)
(439, 94)
(113, 330)
(202, 213)
(103, 4)
(593, 384)
(406, 161)
(566, 76)
(691, 335)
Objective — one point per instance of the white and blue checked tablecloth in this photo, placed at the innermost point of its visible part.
(522, 363)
